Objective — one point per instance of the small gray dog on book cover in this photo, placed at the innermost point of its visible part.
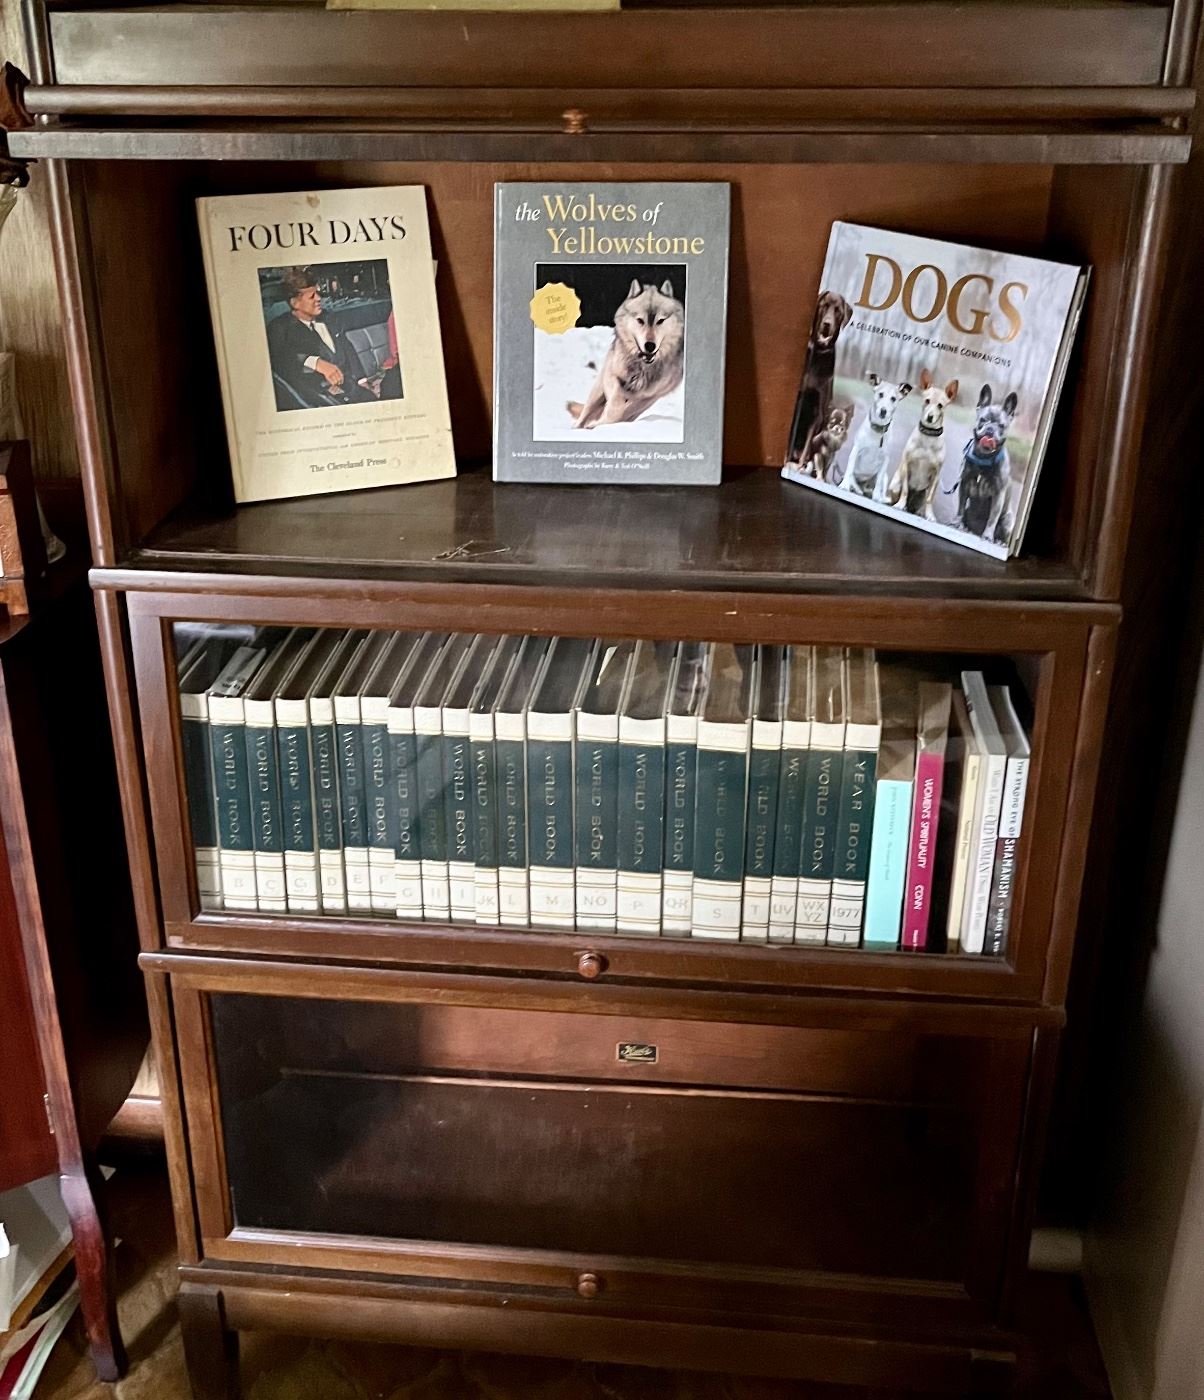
(610, 317)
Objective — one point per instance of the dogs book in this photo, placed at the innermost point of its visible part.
(327, 334)
(610, 315)
(932, 375)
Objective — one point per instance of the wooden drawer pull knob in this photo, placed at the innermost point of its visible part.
(589, 1285)
(590, 966)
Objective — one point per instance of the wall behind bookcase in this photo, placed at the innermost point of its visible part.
(30, 324)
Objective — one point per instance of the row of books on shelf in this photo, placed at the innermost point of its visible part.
(764, 794)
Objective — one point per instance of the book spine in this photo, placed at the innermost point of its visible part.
(297, 808)
(407, 850)
(263, 773)
(888, 864)
(982, 853)
(854, 827)
(817, 863)
(596, 821)
(514, 900)
(764, 764)
(681, 780)
(351, 802)
(721, 790)
(550, 819)
(328, 822)
(432, 812)
(641, 834)
(967, 814)
(787, 849)
(380, 803)
(236, 852)
(461, 853)
(1003, 875)
(483, 760)
(925, 821)
(202, 797)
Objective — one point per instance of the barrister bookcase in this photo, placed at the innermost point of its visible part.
(421, 1132)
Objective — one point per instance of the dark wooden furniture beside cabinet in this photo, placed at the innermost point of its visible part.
(73, 1023)
(422, 1133)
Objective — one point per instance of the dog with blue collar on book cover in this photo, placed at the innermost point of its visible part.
(931, 379)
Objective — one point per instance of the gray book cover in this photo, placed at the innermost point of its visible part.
(610, 323)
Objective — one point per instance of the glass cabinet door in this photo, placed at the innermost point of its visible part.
(455, 1140)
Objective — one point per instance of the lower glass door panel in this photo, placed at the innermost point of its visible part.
(805, 1152)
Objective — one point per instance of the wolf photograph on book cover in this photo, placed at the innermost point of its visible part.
(932, 373)
(596, 375)
(619, 373)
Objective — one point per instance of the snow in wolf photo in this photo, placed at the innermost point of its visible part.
(618, 374)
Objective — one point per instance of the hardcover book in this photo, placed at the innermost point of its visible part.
(854, 825)
(197, 673)
(327, 335)
(296, 775)
(965, 765)
(510, 748)
(380, 788)
(821, 797)
(483, 755)
(764, 764)
(993, 758)
(432, 775)
(596, 780)
(263, 771)
(550, 719)
(324, 752)
(641, 804)
(1011, 818)
(681, 778)
(236, 854)
(610, 316)
(932, 735)
(403, 743)
(458, 780)
(353, 791)
(792, 778)
(931, 380)
(721, 791)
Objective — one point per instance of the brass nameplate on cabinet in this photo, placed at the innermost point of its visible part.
(636, 1052)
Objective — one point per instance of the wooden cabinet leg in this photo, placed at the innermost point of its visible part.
(81, 1189)
(210, 1347)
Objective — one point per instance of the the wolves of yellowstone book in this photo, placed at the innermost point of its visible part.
(935, 369)
(327, 335)
(610, 319)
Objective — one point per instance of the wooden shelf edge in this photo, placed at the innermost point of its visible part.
(622, 988)
(481, 142)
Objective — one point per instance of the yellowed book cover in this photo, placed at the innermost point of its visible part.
(328, 345)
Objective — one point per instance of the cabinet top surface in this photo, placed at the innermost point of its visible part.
(754, 532)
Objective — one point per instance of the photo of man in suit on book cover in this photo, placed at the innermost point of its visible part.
(331, 335)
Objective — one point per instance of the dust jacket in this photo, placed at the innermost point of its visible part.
(327, 335)
(610, 322)
(932, 375)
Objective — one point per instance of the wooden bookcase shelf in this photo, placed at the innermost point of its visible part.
(847, 1081)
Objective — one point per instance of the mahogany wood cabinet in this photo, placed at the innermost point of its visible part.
(422, 1132)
